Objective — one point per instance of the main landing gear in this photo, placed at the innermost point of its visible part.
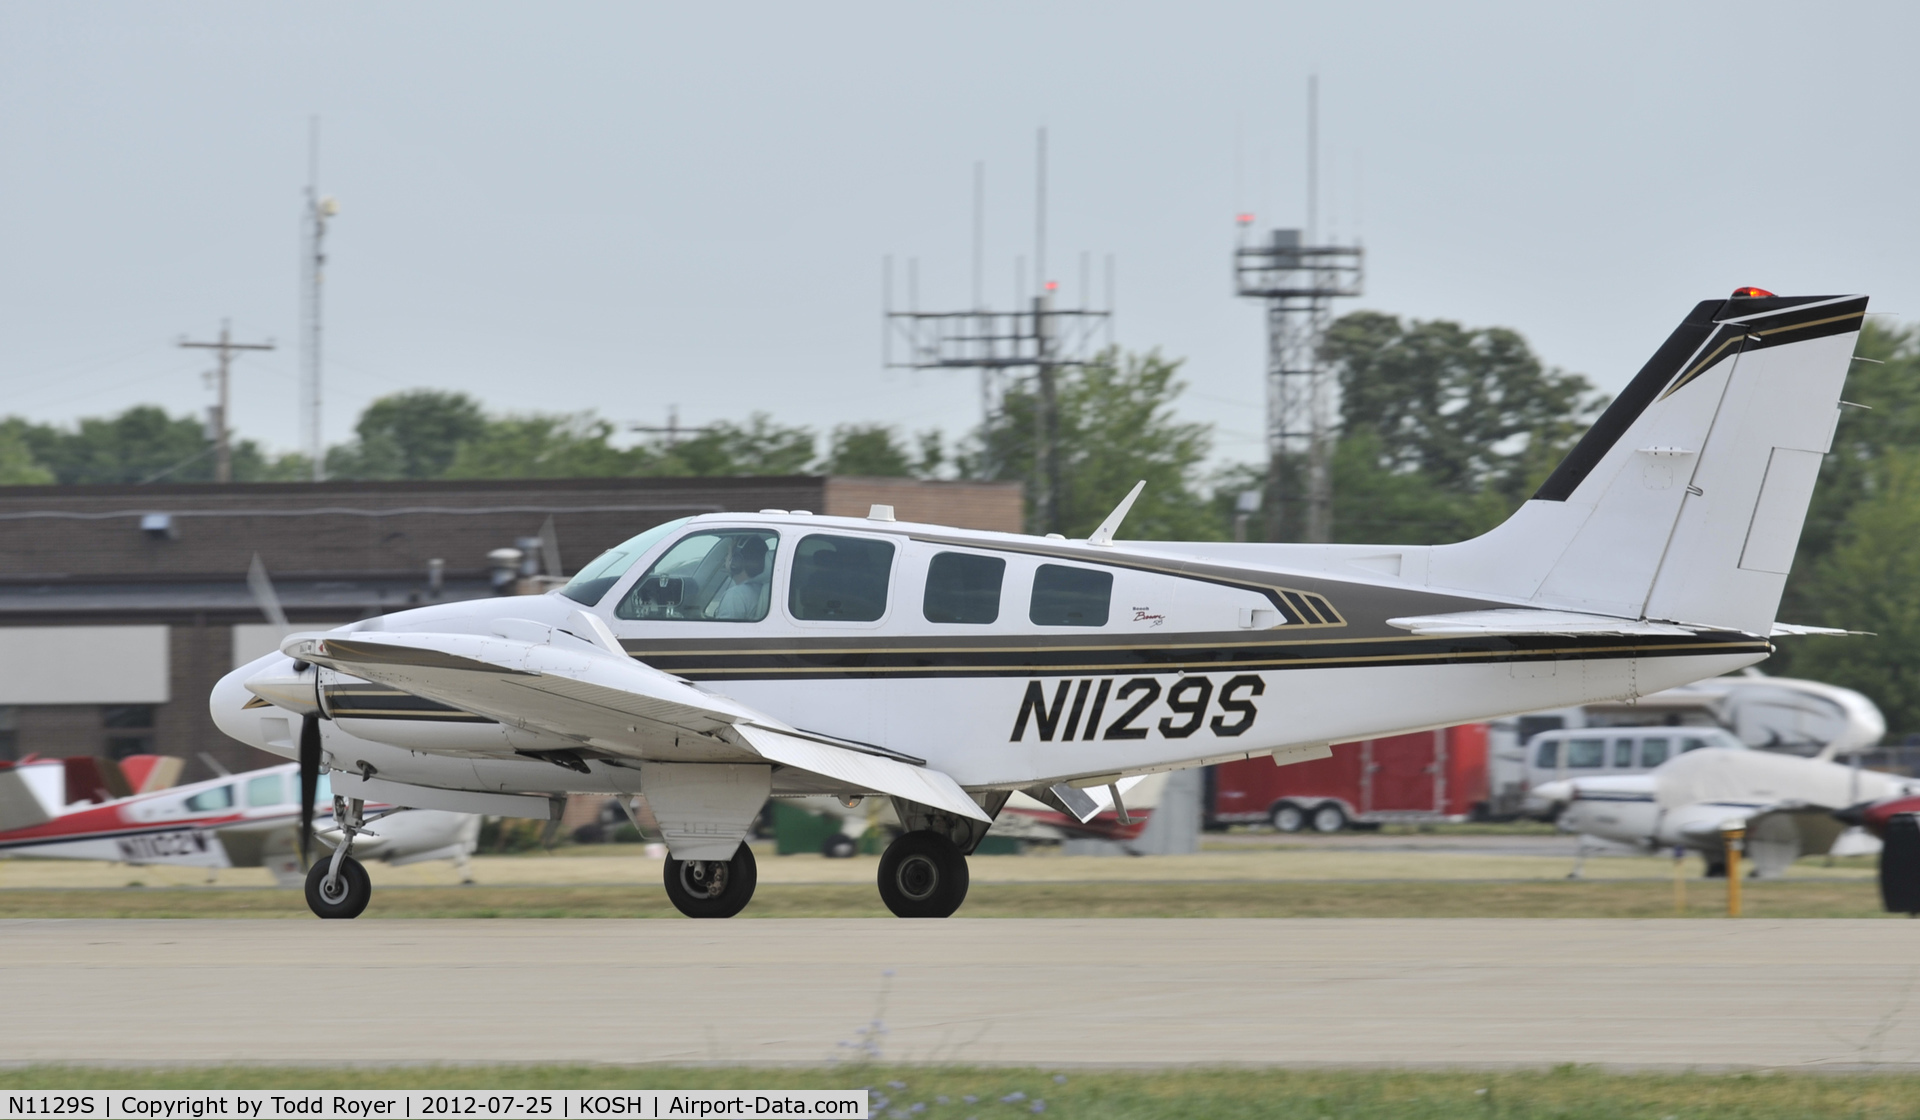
(923, 875)
(339, 887)
(712, 888)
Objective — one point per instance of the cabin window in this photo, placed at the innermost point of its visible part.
(265, 790)
(590, 584)
(1623, 754)
(1586, 754)
(1653, 752)
(211, 800)
(722, 576)
(1546, 756)
(962, 587)
(1692, 745)
(1065, 596)
(840, 579)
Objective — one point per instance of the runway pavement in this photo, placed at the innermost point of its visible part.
(1625, 994)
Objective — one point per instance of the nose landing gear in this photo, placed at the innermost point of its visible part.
(339, 887)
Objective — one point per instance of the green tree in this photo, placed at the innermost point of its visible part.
(142, 444)
(759, 446)
(1117, 426)
(1444, 430)
(1868, 579)
(18, 467)
(876, 451)
(543, 446)
(416, 434)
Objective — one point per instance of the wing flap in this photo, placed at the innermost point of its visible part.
(861, 771)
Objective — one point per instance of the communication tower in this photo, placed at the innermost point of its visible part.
(1035, 340)
(1298, 279)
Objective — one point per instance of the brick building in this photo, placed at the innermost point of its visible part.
(120, 606)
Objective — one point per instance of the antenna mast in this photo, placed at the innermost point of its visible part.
(312, 265)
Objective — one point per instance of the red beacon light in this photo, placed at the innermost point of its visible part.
(1243, 219)
(1053, 285)
(1751, 293)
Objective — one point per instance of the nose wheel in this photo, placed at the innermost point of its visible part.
(923, 875)
(712, 888)
(341, 893)
(338, 887)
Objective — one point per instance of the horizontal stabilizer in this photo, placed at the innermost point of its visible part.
(1789, 630)
(1524, 621)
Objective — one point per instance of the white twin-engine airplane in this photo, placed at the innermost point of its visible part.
(715, 661)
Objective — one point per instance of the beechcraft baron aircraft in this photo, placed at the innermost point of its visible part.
(712, 662)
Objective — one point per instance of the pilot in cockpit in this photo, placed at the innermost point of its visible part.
(746, 567)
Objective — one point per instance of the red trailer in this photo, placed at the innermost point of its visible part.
(1427, 776)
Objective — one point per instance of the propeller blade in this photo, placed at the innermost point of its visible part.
(309, 782)
(265, 596)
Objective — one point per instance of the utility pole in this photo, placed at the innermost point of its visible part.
(222, 445)
(314, 259)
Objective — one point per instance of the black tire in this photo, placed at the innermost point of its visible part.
(712, 888)
(1328, 818)
(352, 890)
(923, 875)
(840, 846)
(1287, 817)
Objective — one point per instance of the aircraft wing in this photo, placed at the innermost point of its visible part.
(1521, 621)
(579, 688)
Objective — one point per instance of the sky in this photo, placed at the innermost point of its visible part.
(626, 208)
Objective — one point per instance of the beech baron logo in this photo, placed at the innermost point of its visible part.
(1188, 699)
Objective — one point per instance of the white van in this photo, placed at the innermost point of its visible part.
(1556, 756)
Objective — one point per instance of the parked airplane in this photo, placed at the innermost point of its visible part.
(712, 661)
(237, 820)
(1787, 804)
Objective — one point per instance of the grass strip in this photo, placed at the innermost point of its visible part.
(940, 1093)
(1409, 899)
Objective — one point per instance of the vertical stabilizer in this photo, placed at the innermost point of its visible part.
(1684, 502)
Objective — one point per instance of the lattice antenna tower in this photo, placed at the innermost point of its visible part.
(1299, 277)
(1033, 341)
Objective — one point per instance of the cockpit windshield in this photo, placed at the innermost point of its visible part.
(591, 583)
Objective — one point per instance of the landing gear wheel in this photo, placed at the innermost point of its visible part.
(840, 846)
(1329, 818)
(1287, 817)
(923, 875)
(712, 888)
(346, 896)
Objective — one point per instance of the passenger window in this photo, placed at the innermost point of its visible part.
(723, 576)
(1623, 754)
(962, 587)
(840, 579)
(210, 800)
(1586, 754)
(1546, 756)
(1065, 596)
(1653, 752)
(1691, 745)
(267, 789)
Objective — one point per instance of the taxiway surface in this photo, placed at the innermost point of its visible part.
(1646, 994)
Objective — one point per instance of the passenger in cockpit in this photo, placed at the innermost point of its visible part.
(746, 564)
